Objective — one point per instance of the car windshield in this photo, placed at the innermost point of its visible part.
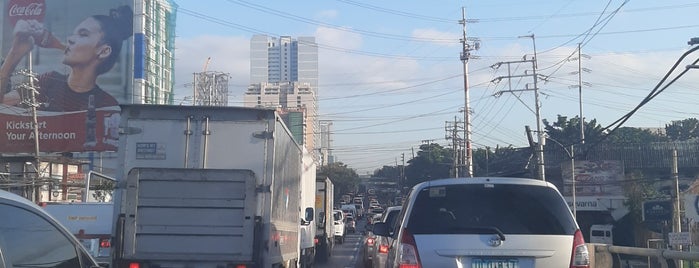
(490, 208)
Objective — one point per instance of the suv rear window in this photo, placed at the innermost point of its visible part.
(513, 209)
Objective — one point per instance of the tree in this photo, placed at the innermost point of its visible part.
(501, 161)
(638, 189)
(389, 172)
(631, 135)
(344, 178)
(683, 130)
(432, 162)
(567, 131)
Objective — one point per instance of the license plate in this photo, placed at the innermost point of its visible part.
(494, 263)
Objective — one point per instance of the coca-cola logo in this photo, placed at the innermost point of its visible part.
(26, 10)
(33, 9)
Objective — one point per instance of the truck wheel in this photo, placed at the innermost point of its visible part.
(322, 255)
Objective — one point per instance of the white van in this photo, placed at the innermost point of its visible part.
(339, 226)
(602, 234)
(349, 209)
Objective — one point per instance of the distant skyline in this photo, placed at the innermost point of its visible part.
(390, 74)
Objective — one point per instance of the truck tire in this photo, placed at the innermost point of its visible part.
(322, 254)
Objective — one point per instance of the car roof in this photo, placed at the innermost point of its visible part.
(482, 180)
(14, 197)
(17, 200)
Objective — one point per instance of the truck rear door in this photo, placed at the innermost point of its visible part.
(189, 214)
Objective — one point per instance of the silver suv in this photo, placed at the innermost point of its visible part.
(485, 222)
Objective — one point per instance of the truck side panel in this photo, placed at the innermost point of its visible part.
(285, 180)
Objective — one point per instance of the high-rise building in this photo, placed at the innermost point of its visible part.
(284, 75)
(154, 51)
(283, 59)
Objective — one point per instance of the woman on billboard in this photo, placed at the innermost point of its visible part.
(91, 50)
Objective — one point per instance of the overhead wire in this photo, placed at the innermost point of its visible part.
(611, 128)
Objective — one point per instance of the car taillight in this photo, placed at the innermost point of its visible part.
(316, 241)
(134, 265)
(370, 241)
(104, 243)
(408, 256)
(383, 248)
(580, 257)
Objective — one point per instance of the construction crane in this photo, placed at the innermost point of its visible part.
(206, 65)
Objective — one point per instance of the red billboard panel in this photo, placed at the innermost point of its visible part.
(80, 53)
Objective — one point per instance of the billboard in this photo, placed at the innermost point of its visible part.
(81, 52)
(594, 178)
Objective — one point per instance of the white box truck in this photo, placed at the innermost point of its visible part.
(307, 231)
(206, 187)
(325, 233)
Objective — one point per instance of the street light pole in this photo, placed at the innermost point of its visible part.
(571, 155)
(572, 176)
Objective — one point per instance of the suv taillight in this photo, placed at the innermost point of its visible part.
(370, 241)
(580, 257)
(383, 248)
(407, 252)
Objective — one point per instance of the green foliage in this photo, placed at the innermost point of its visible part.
(567, 131)
(432, 162)
(389, 172)
(683, 130)
(344, 178)
(638, 189)
(630, 135)
(499, 162)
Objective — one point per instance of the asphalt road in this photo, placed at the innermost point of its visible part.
(348, 254)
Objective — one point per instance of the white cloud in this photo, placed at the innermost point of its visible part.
(336, 38)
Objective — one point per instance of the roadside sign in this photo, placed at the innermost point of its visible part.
(680, 239)
(657, 210)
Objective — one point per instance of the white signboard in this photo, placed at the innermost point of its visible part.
(680, 239)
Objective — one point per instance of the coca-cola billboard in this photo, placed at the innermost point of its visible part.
(77, 108)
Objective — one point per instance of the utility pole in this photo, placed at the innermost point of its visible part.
(582, 120)
(677, 220)
(539, 150)
(402, 171)
(465, 55)
(29, 99)
(452, 133)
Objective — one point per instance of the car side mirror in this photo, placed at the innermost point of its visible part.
(381, 228)
(321, 218)
(309, 213)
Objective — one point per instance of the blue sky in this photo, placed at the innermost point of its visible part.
(390, 74)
